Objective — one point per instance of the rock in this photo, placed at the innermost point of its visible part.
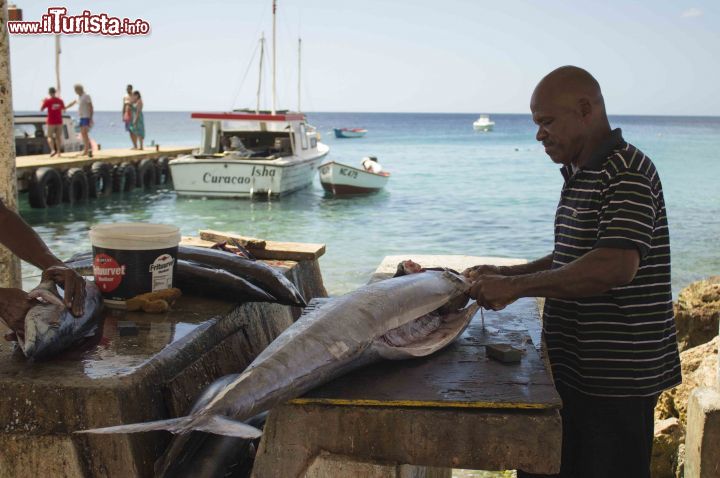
(668, 436)
(697, 312)
(699, 368)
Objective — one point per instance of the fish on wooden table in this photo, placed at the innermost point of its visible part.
(390, 319)
(219, 283)
(262, 275)
(51, 328)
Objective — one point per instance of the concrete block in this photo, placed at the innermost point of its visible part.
(327, 465)
(702, 442)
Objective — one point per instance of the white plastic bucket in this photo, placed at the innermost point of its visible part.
(133, 258)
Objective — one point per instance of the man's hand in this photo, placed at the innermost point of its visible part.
(14, 306)
(493, 291)
(72, 283)
(474, 272)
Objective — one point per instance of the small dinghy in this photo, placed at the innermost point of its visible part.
(341, 179)
(350, 132)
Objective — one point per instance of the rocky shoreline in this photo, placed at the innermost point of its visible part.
(697, 311)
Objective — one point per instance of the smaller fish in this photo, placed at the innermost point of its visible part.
(257, 272)
(50, 328)
(212, 282)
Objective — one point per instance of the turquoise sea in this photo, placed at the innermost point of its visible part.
(452, 191)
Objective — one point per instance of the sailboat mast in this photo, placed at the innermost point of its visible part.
(57, 63)
(299, 70)
(260, 74)
(274, 91)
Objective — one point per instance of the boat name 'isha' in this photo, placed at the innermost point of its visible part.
(256, 172)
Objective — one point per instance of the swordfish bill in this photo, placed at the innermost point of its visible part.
(392, 319)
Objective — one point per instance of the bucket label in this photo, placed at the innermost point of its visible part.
(108, 273)
(122, 274)
(162, 272)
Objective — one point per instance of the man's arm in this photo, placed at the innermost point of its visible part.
(538, 265)
(71, 104)
(592, 274)
(24, 242)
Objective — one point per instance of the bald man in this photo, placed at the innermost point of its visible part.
(608, 321)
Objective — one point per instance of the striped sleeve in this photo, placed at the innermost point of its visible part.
(628, 212)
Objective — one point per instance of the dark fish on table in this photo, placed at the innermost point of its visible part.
(205, 455)
(214, 282)
(257, 272)
(391, 319)
(50, 328)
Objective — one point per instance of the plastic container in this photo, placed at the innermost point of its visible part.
(133, 258)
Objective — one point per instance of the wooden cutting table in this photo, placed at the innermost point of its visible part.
(454, 409)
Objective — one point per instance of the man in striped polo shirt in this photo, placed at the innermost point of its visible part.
(608, 320)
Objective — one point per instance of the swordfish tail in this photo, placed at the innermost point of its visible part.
(216, 424)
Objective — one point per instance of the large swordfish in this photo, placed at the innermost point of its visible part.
(395, 319)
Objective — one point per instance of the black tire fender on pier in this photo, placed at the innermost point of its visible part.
(101, 180)
(124, 178)
(162, 169)
(76, 186)
(46, 188)
(146, 174)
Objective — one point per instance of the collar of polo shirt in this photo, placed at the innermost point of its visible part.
(613, 142)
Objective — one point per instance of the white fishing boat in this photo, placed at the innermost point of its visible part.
(341, 179)
(247, 154)
(251, 153)
(483, 123)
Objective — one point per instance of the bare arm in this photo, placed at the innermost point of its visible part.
(592, 274)
(24, 242)
(71, 104)
(538, 265)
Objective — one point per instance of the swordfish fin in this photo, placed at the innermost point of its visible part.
(220, 425)
(174, 425)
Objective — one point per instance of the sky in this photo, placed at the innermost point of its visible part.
(651, 57)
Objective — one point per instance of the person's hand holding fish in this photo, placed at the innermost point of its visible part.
(14, 305)
(474, 272)
(72, 283)
(493, 291)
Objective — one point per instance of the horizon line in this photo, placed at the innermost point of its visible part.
(398, 113)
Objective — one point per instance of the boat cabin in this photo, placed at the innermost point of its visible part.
(255, 136)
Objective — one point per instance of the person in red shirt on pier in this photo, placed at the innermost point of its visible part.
(55, 107)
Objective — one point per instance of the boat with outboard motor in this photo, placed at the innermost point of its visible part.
(341, 179)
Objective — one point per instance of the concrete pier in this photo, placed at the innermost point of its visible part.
(155, 374)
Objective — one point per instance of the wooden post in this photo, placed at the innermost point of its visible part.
(9, 263)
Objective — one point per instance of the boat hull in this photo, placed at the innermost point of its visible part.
(346, 133)
(483, 126)
(340, 179)
(238, 178)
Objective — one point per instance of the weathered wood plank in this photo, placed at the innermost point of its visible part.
(275, 250)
